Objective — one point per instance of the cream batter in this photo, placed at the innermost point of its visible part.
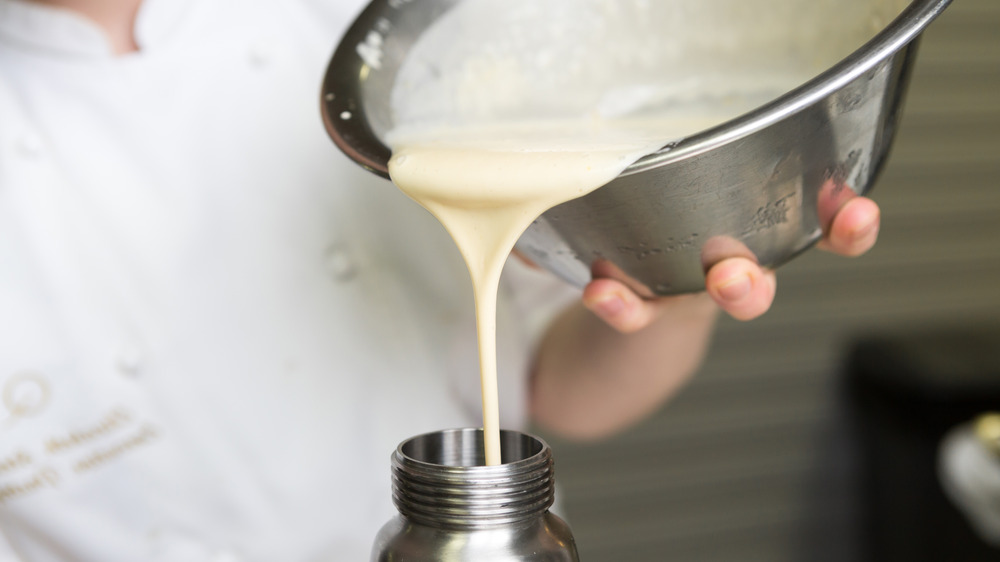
(487, 184)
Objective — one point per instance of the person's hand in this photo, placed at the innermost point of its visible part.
(733, 279)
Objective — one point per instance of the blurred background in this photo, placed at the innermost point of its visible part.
(776, 451)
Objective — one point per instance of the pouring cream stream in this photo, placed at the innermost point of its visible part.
(487, 184)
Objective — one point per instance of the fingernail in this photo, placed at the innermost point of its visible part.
(863, 233)
(735, 289)
(608, 306)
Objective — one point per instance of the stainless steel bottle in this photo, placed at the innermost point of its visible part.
(453, 508)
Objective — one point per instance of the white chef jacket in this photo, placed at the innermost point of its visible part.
(214, 329)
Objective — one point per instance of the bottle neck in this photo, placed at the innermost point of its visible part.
(440, 480)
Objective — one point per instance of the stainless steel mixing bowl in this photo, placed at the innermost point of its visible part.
(762, 184)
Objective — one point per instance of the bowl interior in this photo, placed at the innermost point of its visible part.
(488, 60)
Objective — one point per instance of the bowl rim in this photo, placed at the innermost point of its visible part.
(904, 29)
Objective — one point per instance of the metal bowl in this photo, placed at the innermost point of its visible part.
(761, 185)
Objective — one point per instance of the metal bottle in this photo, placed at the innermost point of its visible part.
(453, 508)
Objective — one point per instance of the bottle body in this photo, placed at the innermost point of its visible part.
(547, 539)
(452, 508)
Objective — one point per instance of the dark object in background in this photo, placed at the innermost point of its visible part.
(905, 392)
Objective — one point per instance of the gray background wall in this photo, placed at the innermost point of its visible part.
(748, 462)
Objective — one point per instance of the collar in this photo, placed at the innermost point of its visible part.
(42, 28)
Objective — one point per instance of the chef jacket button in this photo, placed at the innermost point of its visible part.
(129, 359)
(339, 263)
(29, 145)
(259, 55)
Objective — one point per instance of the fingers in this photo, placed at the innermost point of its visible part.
(738, 286)
(741, 287)
(854, 229)
(618, 306)
(734, 280)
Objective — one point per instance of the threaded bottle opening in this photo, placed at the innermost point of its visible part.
(440, 480)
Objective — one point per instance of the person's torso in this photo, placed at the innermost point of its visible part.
(213, 328)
